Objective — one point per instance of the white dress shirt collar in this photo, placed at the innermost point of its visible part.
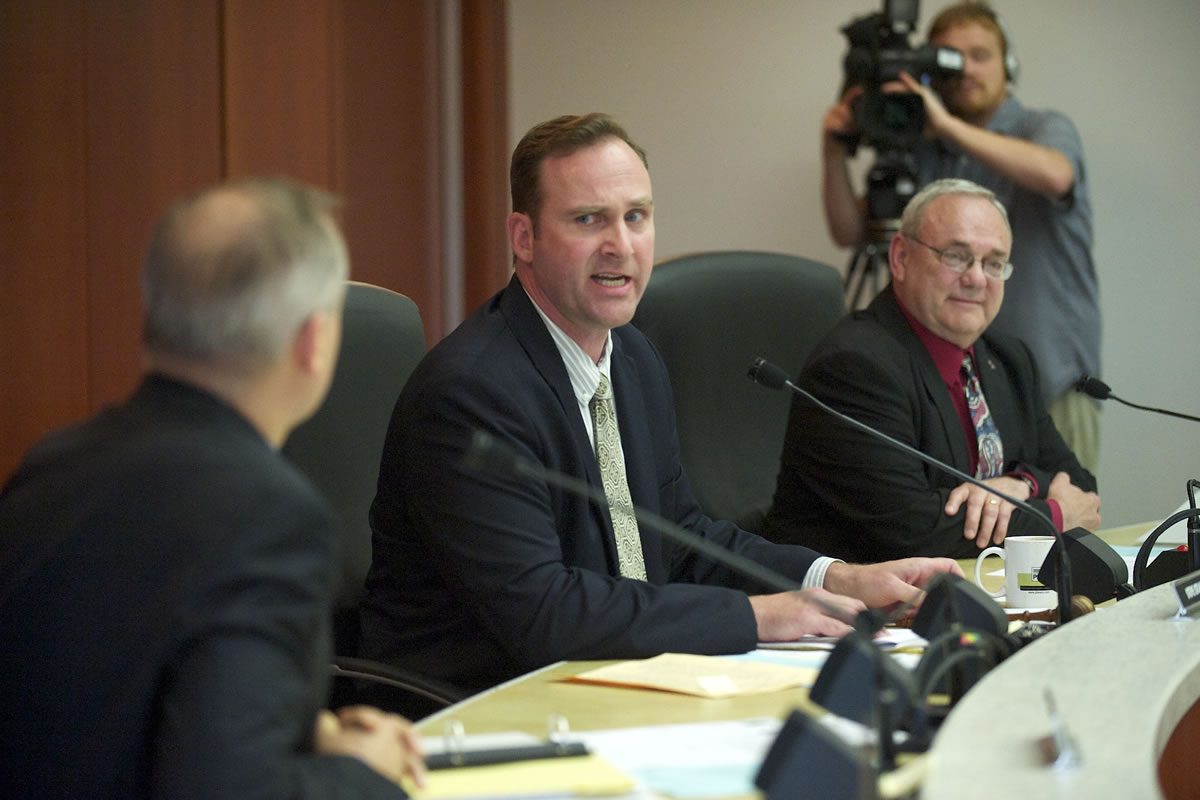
(583, 372)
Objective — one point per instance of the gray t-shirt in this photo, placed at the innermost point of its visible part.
(1052, 300)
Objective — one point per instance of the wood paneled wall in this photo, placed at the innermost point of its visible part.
(485, 150)
(43, 222)
(112, 108)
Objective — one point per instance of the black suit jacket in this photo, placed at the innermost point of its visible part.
(477, 577)
(165, 590)
(852, 496)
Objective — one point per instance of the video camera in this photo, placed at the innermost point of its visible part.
(879, 52)
(890, 122)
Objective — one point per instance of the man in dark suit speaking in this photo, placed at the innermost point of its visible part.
(917, 364)
(479, 577)
(166, 578)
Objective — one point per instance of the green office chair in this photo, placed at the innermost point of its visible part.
(710, 315)
(339, 449)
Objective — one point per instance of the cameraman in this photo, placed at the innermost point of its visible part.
(1033, 161)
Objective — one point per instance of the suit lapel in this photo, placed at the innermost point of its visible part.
(530, 331)
(930, 387)
(636, 442)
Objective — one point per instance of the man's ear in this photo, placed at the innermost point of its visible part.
(315, 345)
(520, 236)
(898, 254)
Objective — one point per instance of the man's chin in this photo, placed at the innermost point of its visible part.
(621, 311)
(613, 315)
(975, 108)
(965, 108)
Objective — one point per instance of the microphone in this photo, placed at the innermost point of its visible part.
(486, 453)
(838, 685)
(1094, 387)
(1168, 565)
(767, 374)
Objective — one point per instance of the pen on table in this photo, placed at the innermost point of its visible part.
(911, 650)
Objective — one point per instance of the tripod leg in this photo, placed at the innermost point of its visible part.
(856, 275)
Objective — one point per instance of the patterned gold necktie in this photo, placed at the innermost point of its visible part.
(616, 487)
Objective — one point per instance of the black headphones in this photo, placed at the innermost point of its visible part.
(1011, 66)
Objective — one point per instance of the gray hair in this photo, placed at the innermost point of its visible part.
(231, 273)
(914, 212)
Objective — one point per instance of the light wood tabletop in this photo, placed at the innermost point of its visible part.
(528, 703)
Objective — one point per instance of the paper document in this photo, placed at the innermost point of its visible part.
(689, 760)
(704, 759)
(703, 676)
(811, 660)
(1176, 534)
(888, 637)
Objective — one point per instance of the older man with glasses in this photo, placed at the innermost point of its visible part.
(919, 365)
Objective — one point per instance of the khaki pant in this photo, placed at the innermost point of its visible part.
(1077, 418)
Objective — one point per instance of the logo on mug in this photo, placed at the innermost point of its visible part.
(1028, 581)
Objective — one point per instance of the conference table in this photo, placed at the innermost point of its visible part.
(527, 703)
(1124, 679)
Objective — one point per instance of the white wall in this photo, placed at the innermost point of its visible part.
(727, 98)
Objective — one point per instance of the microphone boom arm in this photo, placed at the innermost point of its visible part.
(486, 452)
(1099, 390)
(1155, 410)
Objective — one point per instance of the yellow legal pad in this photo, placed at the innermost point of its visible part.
(576, 775)
(704, 676)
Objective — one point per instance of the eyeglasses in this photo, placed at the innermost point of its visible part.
(958, 261)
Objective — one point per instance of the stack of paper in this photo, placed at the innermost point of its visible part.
(704, 676)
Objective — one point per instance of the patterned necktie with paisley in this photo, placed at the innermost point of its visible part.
(991, 450)
(616, 486)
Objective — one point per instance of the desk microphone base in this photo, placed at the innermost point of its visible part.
(809, 760)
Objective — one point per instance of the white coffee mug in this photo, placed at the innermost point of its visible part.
(1023, 557)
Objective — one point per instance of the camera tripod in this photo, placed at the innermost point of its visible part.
(867, 272)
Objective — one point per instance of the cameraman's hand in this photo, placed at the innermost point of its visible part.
(937, 118)
(839, 121)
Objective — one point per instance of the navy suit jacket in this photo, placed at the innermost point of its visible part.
(478, 577)
(857, 498)
(166, 581)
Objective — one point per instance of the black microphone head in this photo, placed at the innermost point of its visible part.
(765, 373)
(1097, 570)
(1094, 387)
(870, 620)
(953, 601)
